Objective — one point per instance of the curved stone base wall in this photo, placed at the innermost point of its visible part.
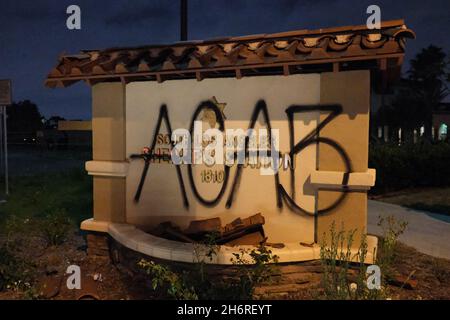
(151, 246)
(294, 280)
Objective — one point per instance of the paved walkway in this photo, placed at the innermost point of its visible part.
(426, 232)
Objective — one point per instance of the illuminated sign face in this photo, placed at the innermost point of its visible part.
(158, 190)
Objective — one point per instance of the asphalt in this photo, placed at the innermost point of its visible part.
(427, 232)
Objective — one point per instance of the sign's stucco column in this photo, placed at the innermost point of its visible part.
(109, 165)
(350, 131)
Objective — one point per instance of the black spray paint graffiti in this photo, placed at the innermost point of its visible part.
(281, 193)
(314, 138)
(219, 116)
(163, 115)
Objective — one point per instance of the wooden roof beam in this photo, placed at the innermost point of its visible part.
(336, 67)
(238, 73)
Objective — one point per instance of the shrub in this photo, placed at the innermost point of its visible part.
(422, 164)
(15, 227)
(338, 260)
(392, 229)
(55, 227)
(15, 272)
(164, 279)
(253, 272)
(253, 269)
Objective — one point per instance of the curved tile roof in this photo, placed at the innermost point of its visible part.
(352, 47)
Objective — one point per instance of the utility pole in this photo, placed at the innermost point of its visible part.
(5, 100)
(183, 20)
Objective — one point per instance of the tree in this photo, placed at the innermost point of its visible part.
(24, 116)
(403, 112)
(52, 122)
(428, 75)
(418, 96)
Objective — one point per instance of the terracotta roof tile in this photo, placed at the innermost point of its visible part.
(246, 55)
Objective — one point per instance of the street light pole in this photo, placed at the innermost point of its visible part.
(5, 141)
(183, 20)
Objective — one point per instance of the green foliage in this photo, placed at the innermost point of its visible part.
(419, 95)
(253, 268)
(173, 283)
(435, 208)
(205, 250)
(344, 269)
(39, 206)
(15, 272)
(55, 227)
(36, 196)
(344, 272)
(410, 165)
(392, 229)
(256, 267)
(336, 256)
(404, 112)
(429, 73)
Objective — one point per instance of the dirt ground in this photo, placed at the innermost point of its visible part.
(50, 265)
(433, 275)
(103, 280)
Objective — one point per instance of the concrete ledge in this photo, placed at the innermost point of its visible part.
(333, 179)
(107, 168)
(137, 240)
(93, 225)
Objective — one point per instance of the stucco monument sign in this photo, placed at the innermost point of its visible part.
(261, 135)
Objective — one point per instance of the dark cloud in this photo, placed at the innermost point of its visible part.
(31, 10)
(138, 12)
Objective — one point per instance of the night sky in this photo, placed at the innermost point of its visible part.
(34, 33)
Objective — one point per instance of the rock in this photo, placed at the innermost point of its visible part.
(198, 227)
(89, 289)
(171, 231)
(98, 277)
(50, 287)
(402, 281)
(241, 227)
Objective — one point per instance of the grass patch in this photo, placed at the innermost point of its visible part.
(435, 208)
(39, 195)
(42, 209)
(436, 200)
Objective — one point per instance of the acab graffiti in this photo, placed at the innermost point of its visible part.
(282, 196)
